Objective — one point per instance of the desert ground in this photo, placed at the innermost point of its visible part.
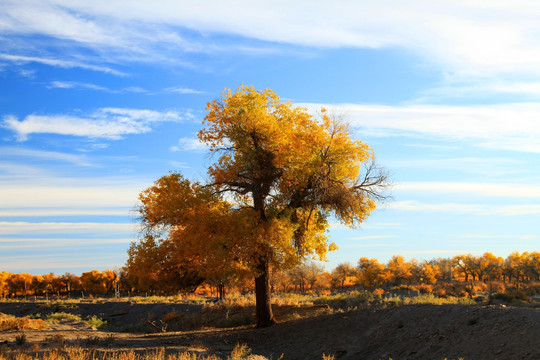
(423, 331)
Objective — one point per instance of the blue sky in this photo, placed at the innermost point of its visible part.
(98, 99)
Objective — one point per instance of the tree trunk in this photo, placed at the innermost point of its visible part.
(263, 307)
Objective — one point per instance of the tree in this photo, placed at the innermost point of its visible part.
(298, 276)
(94, 281)
(313, 274)
(4, 285)
(156, 266)
(370, 272)
(71, 281)
(341, 273)
(280, 173)
(428, 273)
(465, 264)
(19, 284)
(490, 266)
(445, 266)
(399, 270)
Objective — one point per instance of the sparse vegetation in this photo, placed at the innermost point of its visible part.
(56, 317)
(10, 322)
(96, 322)
(20, 339)
(240, 352)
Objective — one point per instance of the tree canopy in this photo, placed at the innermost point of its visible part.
(279, 174)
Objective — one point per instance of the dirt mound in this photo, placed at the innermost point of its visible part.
(404, 332)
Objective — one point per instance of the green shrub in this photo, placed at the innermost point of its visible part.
(56, 317)
(96, 322)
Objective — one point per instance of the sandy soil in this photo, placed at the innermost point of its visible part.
(405, 332)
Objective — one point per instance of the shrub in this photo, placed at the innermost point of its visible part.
(56, 317)
(10, 322)
(96, 322)
(240, 352)
(425, 288)
(20, 339)
(498, 287)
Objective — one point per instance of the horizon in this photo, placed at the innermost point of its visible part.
(98, 102)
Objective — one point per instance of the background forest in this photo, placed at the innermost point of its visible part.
(461, 275)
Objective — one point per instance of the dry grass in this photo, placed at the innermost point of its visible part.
(10, 322)
(240, 352)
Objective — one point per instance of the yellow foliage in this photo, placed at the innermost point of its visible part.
(280, 173)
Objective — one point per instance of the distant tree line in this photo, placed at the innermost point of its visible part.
(149, 278)
(90, 283)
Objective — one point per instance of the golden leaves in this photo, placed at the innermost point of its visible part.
(281, 172)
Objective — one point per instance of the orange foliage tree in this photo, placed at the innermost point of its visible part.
(279, 174)
(94, 281)
(4, 285)
(399, 270)
(371, 273)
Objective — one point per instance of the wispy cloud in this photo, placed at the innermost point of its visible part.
(474, 165)
(45, 155)
(370, 237)
(88, 86)
(477, 209)
(23, 228)
(60, 262)
(510, 190)
(183, 90)
(106, 123)
(70, 194)
(476, 39)
(75, 85)
(179, 164)
(189, 144)
(67, 64)
(486, 126)
(55, 211)
(439, 252)
(44, 244)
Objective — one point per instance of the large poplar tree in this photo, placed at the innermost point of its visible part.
(280, 173)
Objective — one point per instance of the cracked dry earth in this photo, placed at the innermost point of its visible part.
(405, 332)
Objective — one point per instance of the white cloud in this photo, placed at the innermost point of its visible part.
(79, 85)
(179, 164)
(510, 190)
(183, 90)
(189, 144)
(477, 209)
(482, 166)
(468, 37)
(502, 126)
(45, 155)
(56, 211)
(486, 35)
(106, 123)
(69, 196)
(411, 205)
(75, 261)
(439, 252)
(371, 237)
(66, 64)
(23, 228)
(75, 85)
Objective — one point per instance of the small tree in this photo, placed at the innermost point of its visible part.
(371, 273)
(399, 270)
(341, 273)
(279, 175)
